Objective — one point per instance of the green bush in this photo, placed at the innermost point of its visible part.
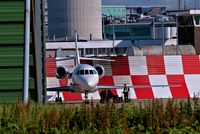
(152, 116)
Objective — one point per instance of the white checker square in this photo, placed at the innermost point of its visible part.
(67, 64)
(193, 84)
(173, 64)
(138, 65)
(121, 80)
(160, 92)
(52, 82)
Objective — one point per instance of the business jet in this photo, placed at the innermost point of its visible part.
(85, 77)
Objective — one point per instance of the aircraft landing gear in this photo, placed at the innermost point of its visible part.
(58, 98)
(86, 97)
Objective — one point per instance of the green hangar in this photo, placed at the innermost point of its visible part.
(12, 36)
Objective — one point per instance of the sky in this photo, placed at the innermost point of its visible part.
(171, 4)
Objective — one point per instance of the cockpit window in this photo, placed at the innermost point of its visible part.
(86, 71)
(94, 72)
(91, 71)
(78, 72)
(81, 72)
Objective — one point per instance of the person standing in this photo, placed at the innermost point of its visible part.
(126, 92)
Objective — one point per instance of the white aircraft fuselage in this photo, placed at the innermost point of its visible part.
(84, 78)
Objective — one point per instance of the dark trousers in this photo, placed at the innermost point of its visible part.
(126, 96)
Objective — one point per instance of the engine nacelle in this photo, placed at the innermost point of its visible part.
(100, 69)
(61, 72)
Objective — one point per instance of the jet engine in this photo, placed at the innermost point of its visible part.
(61, 72)
(100, 69)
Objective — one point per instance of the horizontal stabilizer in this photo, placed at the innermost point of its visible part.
(61, 59)
(138, 86)
(64, 88)
(82, 58)
(96, 59)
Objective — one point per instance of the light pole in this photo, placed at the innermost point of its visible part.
(26, 53)
(163, 38)
(113, 39)
(177, 34)
(154, 29)
(103, 21)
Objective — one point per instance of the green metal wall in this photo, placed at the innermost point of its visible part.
(11, 51)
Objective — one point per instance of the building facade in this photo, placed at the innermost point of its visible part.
(141, 31)
(116, 11)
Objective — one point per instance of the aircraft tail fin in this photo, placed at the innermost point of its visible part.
(76, 47)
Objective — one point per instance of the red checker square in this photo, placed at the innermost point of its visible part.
(191, 64)
(120, 66)
(181, 91)
(67, 95)
(107, 81)
(50, 67)
(142, 93)
(90, 62)
(155, 65)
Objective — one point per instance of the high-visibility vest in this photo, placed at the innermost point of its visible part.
(126, 89)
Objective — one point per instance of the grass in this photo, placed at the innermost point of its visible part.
(150, 117)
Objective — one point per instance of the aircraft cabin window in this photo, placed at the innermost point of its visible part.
(86, 71)
(91, 72)
(81, 72)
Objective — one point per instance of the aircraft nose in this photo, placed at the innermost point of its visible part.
(90, 84)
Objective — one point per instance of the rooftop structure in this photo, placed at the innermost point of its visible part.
(117, 11)
(184, 12)
(100, 48)
(188, 22)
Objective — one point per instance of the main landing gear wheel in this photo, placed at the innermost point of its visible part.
(86, 97)
(58, 98)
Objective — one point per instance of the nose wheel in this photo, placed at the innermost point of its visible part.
(86, 97)
(58, 98)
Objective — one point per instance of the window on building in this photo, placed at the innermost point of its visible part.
(197, 20)
(89, 51)
(101, 51)
(95, 51)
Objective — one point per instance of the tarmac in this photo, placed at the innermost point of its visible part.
(134, 102)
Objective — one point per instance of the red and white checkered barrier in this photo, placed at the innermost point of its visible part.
(138, 70)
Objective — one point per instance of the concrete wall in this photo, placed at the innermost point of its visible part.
(66, 16)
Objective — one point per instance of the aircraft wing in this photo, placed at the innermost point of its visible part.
(61, 59)
(96, 59)
(136, 86)
(64, 88)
